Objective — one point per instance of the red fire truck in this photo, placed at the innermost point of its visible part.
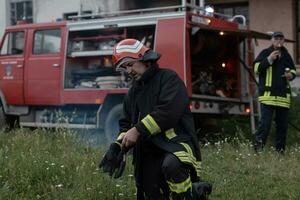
(61, 73)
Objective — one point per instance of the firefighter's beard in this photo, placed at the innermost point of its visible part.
(135, 76)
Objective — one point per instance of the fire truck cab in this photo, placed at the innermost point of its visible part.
(61, 73)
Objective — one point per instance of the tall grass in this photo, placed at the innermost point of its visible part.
(54, 165)
(42, 164)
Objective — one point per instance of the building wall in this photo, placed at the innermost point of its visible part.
(272, 15)
(3, 17)
(50, 10)
(224, 1)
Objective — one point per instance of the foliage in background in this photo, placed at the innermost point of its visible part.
(43, 164)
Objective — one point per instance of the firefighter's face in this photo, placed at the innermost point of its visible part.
(135, 69)
(277, 42)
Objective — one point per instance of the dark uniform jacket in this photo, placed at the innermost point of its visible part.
(158, 106)
(274, 89)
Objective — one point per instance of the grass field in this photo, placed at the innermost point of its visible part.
(55, 165)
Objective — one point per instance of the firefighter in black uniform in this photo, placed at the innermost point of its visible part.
(158, 124)
(275, 69)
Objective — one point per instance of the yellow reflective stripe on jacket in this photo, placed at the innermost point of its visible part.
(272, 103)
(121, 135)
(170, 133)
(293, 71)
(267, 93)
(269, 76)
(256, 65)
(151, 125)
(276, 100)
(180, 187)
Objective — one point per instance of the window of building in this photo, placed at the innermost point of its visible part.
(13, 44)
(232, 9)
(20, 10)
(68, 16)
(47, 41)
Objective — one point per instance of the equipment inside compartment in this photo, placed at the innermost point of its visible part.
(214, 61)
(89, 56)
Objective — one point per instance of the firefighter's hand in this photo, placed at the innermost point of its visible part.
(109, 162)
(130, 138)
(288, 76)
(274, 55)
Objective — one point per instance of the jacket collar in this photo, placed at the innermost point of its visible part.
(147, 76)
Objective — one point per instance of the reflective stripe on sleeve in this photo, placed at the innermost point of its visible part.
(151, 125)
(256, 65)
(121, 135)
(170, 133)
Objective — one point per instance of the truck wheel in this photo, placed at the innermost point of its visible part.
(112, 123)
(12, 121)
(3, 122)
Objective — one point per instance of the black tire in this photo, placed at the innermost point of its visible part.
(3, 121)
(12, 121)
(112, 123)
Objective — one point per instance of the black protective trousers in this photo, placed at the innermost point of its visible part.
(153, 172)
(281, 120)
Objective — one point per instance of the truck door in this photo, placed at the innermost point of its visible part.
(44, 66)
(12, 66)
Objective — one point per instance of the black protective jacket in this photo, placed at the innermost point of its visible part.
(158, 106)
(274, 89)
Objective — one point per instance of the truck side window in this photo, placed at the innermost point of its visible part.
(47, 41)
(13, 44)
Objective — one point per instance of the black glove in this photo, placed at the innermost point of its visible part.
(120, 164)
(114, 160)
(108, 162)
(201, 190)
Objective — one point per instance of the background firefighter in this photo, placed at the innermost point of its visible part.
(275, 68)
(159, 126)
